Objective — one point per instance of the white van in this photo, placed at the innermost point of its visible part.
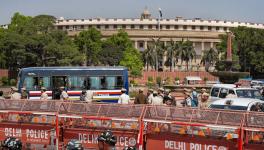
(220, 91)
(246, 104)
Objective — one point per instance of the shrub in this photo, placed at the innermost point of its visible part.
(158, 80)
(176, 78)
(150, 79)
(13, 82)
(4, 80)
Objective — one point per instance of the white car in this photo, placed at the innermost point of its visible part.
(246, 104)
(220, 91)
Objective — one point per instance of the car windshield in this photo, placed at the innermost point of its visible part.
(249, 93)
(230, 107)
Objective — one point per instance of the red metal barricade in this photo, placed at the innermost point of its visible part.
(85, 122)
(191, 129)
(48, 124)
(34, 122)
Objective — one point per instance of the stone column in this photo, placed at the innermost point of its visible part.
(145, 45)
(202, 46)
(136, 44)
(212, 44)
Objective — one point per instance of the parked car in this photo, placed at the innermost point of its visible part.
(246, 104)
(220, 91)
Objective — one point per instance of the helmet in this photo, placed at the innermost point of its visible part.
(108, 138)
(74, 145)
(12, 143)
(130, 148)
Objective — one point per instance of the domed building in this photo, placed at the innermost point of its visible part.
(204, 34)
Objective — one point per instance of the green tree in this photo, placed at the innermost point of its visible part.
(90, 44)
(148, 57)
(171, 50)
(110, 55)
(186, 52)
(132, 60)
(121, 39)
(209, 58)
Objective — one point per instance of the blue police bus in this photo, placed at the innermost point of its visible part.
(104, 82)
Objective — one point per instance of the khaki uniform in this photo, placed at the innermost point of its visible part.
(44, 96)
(203, 105)
(15, 96)
(141, 99)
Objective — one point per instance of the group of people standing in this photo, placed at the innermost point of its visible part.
(194, 99)
(164, 97)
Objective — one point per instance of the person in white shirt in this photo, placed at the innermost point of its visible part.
(150, 96)
(124, 98)
(44, 95)
(157, 100)
(64, 95)
(14, 94)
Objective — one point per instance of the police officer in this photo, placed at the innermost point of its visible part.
(124, 98)
(64, 95)
(14, 94)
(12, 143)
(74, 145)
(44, 95)
(107, 141)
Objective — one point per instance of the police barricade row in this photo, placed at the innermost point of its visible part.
(48, 124)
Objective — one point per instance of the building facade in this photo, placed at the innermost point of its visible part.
(203, 33)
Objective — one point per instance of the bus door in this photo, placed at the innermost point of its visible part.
(57, 82)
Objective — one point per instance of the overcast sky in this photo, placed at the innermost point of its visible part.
(235, 10)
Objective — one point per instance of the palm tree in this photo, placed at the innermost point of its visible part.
(209, 58)
(172, 48)
(186, 52)
(159, 49)
(148, 56)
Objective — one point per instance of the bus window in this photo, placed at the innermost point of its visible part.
(59, 81)
(31, 83)
(94, 83)
(111, 83)
(77, 83)
(119, 82)
(35, 83)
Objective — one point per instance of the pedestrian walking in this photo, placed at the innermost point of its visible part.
(140, 98)
(194, 96)
(44, 95)
(124, 98)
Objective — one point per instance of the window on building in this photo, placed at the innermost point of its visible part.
(184, 27)
(150, 26)
(216, 28)
(82, 19)
(123, 26)
(132, 26)
(141, 26)
(141, 45)
(167, 26)
(209, 28)
(107, 26)
(193, 27)
(60, 27)
(82, 26)
(115, 26)
(201, 27)
(176, 27)
(90, 26)
(98, 26)
(225, 28)
(67, 27)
